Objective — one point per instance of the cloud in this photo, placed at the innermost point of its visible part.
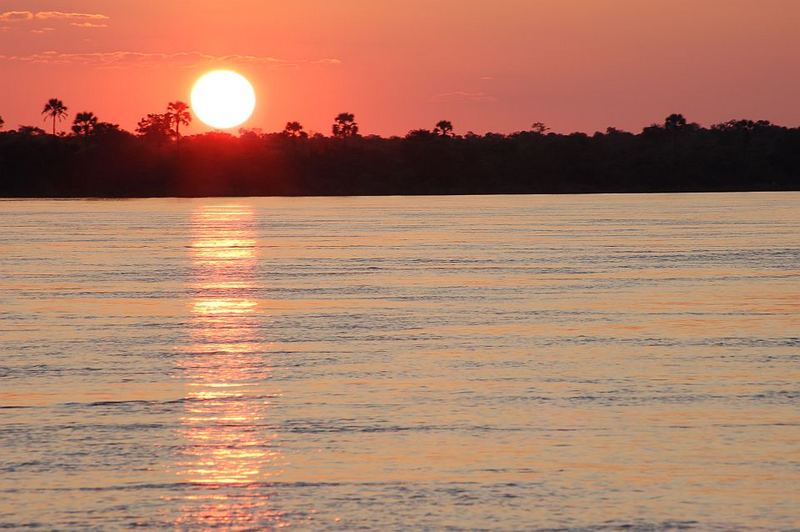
(60, 15)
(130, 59)
(42, 30)
(81, 20)
(87, 25)
(478, 96)
(16, 16)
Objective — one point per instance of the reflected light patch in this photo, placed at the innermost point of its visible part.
(226, 439)
(224, 306)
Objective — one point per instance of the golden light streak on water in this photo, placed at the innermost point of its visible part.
(224, 370)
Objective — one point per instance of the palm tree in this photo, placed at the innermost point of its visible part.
(444, 128)
(55, 109)
(345, 126)
(179, 115)
(84, 124)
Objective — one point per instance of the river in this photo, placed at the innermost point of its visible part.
(487, 362)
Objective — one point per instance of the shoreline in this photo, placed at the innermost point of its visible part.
(404, 195)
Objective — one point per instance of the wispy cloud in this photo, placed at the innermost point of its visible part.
(129, 59)
(60, 15)
(81, 20)
(16, 16)
(87, 25)
(478, 96)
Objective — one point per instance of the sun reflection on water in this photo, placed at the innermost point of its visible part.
(229, 454)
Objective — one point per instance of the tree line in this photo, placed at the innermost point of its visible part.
(100, 159)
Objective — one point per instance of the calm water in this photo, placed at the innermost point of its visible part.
(470, 362)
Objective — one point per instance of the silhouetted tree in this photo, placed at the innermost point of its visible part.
(155, 127)
(345, 126)
(250, 133)
(2, 122)
(294, 129)
(30, 131)
(423, 134)
(741, 125)
(179, 115)
(84, 124)
(107, 129)
(539, 128)
(674, 121)
(741, 134)
(444, 128)
(56, 110)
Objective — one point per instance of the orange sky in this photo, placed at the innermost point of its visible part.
(486, 65)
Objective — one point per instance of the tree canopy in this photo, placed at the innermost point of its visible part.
(100, 159)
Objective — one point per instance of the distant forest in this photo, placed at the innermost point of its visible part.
(98, 159)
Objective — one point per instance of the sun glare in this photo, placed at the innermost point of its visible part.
(223, 99)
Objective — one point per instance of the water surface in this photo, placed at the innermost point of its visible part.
(488, 362)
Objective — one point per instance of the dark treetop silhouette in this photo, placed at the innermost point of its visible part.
(55, 110)
(100, 159)
(179, 115)
(444, 128)
(84, 124)
(345, 126)
(294, 129)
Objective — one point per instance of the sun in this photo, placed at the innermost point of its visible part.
(223, 99)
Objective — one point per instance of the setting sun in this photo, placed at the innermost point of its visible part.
(223, 99)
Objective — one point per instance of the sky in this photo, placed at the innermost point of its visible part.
(485, 65)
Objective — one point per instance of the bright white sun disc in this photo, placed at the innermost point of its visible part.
(223, 99)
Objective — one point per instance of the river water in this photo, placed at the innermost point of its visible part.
(497, 362)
